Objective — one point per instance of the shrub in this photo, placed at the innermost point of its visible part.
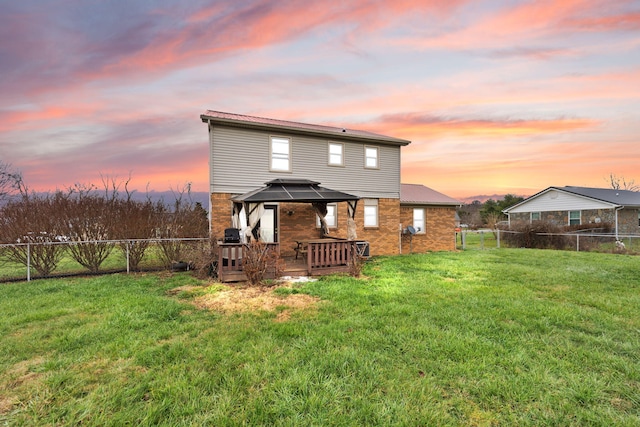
(33, 219)
(260, 260)
(535, 235)
(202, 257)
(357, 262)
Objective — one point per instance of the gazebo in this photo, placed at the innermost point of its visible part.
(324, 254)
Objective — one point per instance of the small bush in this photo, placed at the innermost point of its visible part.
(357, 263)
(260, 260)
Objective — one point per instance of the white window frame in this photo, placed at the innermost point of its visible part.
(279, 156)
(331, 218)
(419, 221)
(531, 218)
(367, 157)
(579, 217)
(371, 213)
(335, 159)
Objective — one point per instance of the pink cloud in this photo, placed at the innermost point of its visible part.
(424, 126)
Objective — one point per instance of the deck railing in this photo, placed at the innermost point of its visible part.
(330, 256)
(230, 260)
(323, 256)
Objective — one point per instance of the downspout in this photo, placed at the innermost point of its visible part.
(619, 208)
(210, 173)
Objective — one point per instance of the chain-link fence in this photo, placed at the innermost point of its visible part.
(31, 260)
(577, 241)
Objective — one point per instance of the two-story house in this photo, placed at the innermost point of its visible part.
(304, 181)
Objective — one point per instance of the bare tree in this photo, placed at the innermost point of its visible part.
(31, 224)
(88, 220)
(10, 181)
(620, 183)
(182, 220)
(135, 225)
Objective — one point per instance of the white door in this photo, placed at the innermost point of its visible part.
(269, 224)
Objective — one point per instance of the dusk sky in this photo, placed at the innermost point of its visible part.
(496, 96)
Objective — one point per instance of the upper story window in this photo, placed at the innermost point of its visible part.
(371, 157)
(535, 216)
(418, 220)
(574, 217)
(370, 212)
(280, 154)
(331, 217)
(336, 154)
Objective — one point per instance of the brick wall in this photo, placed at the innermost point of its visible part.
(384, 239)
(440, 229)
(221, 209)
(297, 221)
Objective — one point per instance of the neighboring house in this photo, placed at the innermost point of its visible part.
(581, 205)
(432, 216)
(300, 173)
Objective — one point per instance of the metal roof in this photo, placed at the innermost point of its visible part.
(420, 195)
(294, 190)
(243, 121)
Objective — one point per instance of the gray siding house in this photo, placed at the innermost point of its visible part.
(569, 205)
(247, 153)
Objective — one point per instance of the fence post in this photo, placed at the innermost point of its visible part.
(577, 243)
(128, 242)
(28, 262)
(498, 240)
(481, 239)
(463, 237)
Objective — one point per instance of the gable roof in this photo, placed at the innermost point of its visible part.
(261, 123)
(294, 190)
(612, 197)
(418, 194)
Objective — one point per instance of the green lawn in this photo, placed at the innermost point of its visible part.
(500, 337)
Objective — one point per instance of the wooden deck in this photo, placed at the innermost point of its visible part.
(321, 257)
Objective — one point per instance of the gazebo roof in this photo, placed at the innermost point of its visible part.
(294, 190)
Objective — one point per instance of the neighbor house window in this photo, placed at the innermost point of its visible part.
(639, 218)
(331, 217)
(371, 157)
(535, 216)
(280, 154)
(336, 156)
(370, 212)
(574, 217)
(418, 220)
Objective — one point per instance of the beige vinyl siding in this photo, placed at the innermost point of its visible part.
(240, 163)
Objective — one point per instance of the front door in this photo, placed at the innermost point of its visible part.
(269, 224)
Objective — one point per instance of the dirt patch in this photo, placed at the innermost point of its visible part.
(234, 299)
(185, 288)
(14, 378)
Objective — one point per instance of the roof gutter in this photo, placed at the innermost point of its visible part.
(381, 139)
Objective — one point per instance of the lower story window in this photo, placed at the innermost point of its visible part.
(331, 217)
(535, 216)
(370, 213)
(418, 220)
(574, 217)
